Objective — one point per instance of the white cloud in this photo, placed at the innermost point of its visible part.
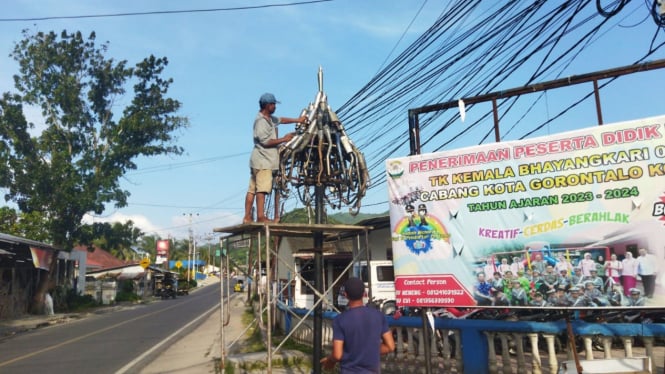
(139, 221)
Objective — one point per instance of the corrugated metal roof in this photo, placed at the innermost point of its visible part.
(11, 239)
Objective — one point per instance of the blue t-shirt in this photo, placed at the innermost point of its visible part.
(361, 329)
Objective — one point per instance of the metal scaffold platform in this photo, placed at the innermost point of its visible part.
(267, 237)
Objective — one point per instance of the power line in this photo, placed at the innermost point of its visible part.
(471, 50)
(168, 167)
(163, 12)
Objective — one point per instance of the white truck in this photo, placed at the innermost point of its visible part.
(382, 279)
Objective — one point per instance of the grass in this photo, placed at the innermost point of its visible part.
(255, 343)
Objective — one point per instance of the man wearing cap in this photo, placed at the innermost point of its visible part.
(520, 297)
(559, 298)
(550, 280)
(565, 280)
(538, 299)
(597, 280)
(265, 155)
(577, 299)
(576, 279)
(360, 335)
(593, 294)
(636, 298)
(422, 214)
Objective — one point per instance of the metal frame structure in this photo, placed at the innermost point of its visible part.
(263, 232)
(414, 125)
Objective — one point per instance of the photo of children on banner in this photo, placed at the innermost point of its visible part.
(558, 285)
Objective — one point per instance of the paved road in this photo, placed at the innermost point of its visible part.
(120, 342)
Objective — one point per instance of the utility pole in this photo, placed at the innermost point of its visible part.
(209, 238)
(191, 248)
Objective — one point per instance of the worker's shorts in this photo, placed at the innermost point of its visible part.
(261, 181)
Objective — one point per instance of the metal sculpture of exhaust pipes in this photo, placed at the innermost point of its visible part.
(322, 154)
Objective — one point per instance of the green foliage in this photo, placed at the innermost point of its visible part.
(68, 300)
(26, 225)
(77, 302)
(301, 216)
(126, 296)
(348, 219)
(117, 238)
(148, 244)
(127, 286)
(74, 164)
(254, 341)
(126, 291)
(229, 369)
(179, 250)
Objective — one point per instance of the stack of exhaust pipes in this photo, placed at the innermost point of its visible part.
(322, 153)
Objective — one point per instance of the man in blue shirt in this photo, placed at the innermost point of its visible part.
(360, 334)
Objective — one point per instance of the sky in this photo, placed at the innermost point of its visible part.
(222, 61)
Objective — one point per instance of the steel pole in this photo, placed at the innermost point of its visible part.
(319, 191)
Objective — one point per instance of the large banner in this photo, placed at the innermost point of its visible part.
(574, 219)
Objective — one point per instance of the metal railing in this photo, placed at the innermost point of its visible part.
(491, 346)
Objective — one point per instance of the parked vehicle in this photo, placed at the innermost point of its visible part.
(239, 286)
(381, 276)
(169, 288)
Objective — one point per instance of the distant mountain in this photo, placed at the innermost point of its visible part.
(348, 219)
(300, 216)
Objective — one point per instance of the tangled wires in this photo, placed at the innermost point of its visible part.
(322, 154)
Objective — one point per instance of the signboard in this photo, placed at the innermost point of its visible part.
(145, 263)
(526, 222)
(162, 251)
(178, 264)
(41, 258)
(241, 243)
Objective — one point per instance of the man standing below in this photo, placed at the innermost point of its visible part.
(360, 335)
(646, 269)
(265, 155)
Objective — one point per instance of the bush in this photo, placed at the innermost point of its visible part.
(127, 296)
(126, 286)
(184, 284)
(67, 300)
(78, 302)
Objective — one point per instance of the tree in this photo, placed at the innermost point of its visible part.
(26, 225)
(73, 164)
(116, 237)
(148, 243)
